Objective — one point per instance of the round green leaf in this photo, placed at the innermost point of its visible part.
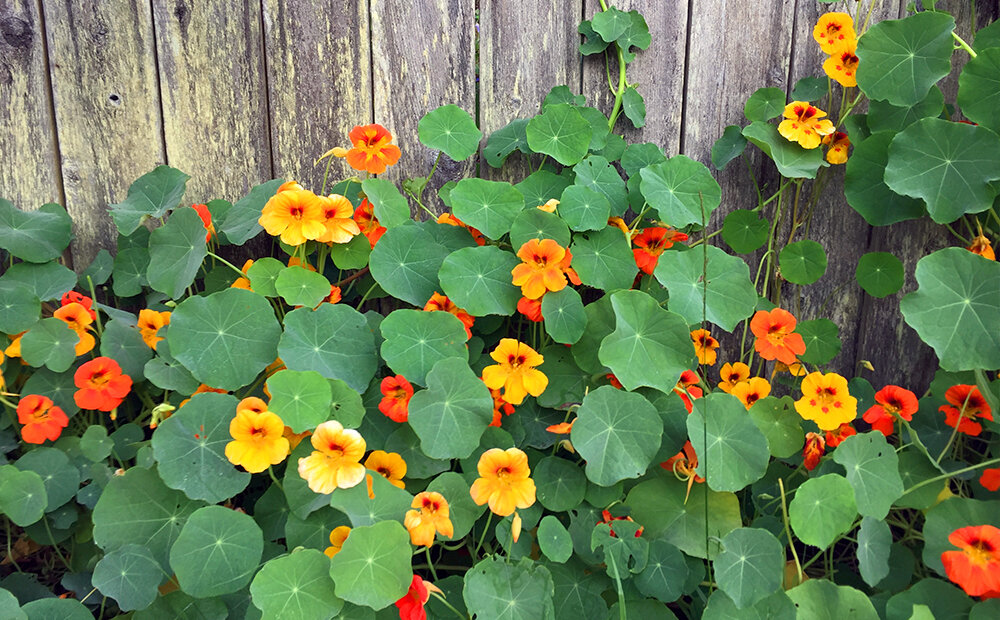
(650, 346)
(351, 255)
(57, 386)
(880, 274)
(949, 165)
(452, 413)
(744, 231)
(565, 318)
(625, 553)
(567, 383)
(802, 262)
(295, 586)
(35, 236)
(979, 89)
(190, 447)
(600, 323)
(217, 552)
(490, 206)
(956, 309)
(603, 259)
(561, 132)
(865, 188)
(262, 275)
(498, 589)
(823, 600)
(334, 340)
(405, 263)
(553, 539)
(301, 287)
(176, 250)
(95, 443)
(874, 543)
(634, 107)
(22, 495)
(902, 58)
(823, 508)
(151, 196)
(451, 129)
(781, 425)
(560, 484)
(664, 574)
(47, 281)
(948, 516)
(478, 280)
(596, 173)
(764, 104)
(50, 342)
(300, 398)
(915, 467)
(405, 442)
(720, 291)
(681, 189)
(775, 607)
(123, 343)
(537, 224)
(169, 374)
(728, 147)
(810, 88)
(822, 338)
(751, 566)
(19, 307)
(792, 161)
(60, 477)
(416, 340)
(9, 606)
(929, 599)
(582, 208)
(62, 608)
(736, 453)
(505, 141)
(883, 116)
(130, 575)
(373, 567)
(541, 185)
(464, 511)
(617, 433)
(388, 205)
(346, 405)
(225, 339)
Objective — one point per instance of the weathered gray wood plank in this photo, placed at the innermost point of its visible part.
(319, 82)
(211, 67)
(107, 109)
(29, 174)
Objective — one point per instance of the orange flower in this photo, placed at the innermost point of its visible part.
(515, 371)
(620, 224)
(430, 518)
(775, 337)
(368, 223)
(289, 185)
(731, 374)
(704, 346)
(549, 206)
(389, 465)
(441, 303)
(802, 124)
(969, 404)
(258, 439)
(650, 243)
(295, 215)
(335, 463)
(294, 439)
(102, 386)
(834, 30)
(396, 394)
(842, 65)
(613, 381)
(451, 220)
(333, 297)
(251, 403)
(337, 538)
(14, 348)
(411, 605)
(70, 297)
(78, 318)
(373, 149)
(796, 369)
(41, 420)
(503, 481)
(540, 270)
(531, 309)
(295, 261)
(981, 246)
(687, 388)
(990, 479)
(684, 465)
(150, 322)
(750, 391)
(837, 145)
(337, 211)
(206, 219)
(825, 401)
(837, 436)
(499, 406)
(893, 402)
(243, 282)
(607, 518)
(976, 567)
(813, 451)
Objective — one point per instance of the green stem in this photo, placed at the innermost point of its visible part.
(228, 264)
(430, 564)
(45, 522)
(955, 232)
(449, 605)
(10, 554)
(788, 529)
(962, 44)
(482, 537)
(949, 475)
(329, 162)
(270, 472)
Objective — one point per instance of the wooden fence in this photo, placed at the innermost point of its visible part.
(94, 93)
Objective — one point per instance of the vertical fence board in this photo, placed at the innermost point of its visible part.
(214, 99)
(28, 169)
(107, 109)
(412, 75)
(525, 49)
(319, 81)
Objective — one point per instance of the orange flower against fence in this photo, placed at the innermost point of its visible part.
(732, 374)
(750, 391)
(337, 219)
(367, 223)
(396, 394)
(389, 465)
(541, 268)
(78, 318)
(650, 244)
(834, 30)
(976, 566)
(802, 124)
(892, 403)
(813, 450)
(704, 346)
(294, 215)
(775, 335)
(373, 150)
(151, 322)
(968, 405)
(837, 145)
(337, 538)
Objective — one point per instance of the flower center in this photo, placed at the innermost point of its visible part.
(99, 379)
(980, 552)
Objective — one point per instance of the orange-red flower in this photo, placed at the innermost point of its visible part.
(40, 419)
(411, 605)
(613, 380)
(335, 462)
(258, 438)
(202, 388)
(334, 296)
(969, 405)
(500, 406)
(206, 219)
(451, 220)
(835, 437)
(337, 538)
(102, 386)
(731, 374)
(368, 223)
(650, 243)
(750, 391)
(503, 481)
(295, 215)
(976, 567)
(396, 394)
(150, 322)
(842, 65)
(833, 30)
(802, 124)
(531, 309)
(373, 149)
(78, 318)
(837, 145)
(825, 401)
(70, 297)
(684, 465)
(339, 226)
(893, 402)
(704, 346)
(540, 270)
(515, 371)
(607, 518)
(813, 451)
(439, 302)
(981, 246)
(687, 388)
(775, 335)
(430, 517)
(389, 465)
(990, 478)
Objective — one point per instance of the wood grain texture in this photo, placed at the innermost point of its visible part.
(659, 72)
(319, 82)
(29, 174)
(415, 73)
(107, 109)
(211, 66)
(526, 48)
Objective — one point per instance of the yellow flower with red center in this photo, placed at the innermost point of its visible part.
(837, 145)
(981, 246)
(976, 566)
(541, 269)
(206, 219)
(704, 346)
(440, 303)
(651, 243)
(337, 211)
(258, 437)
(842, 65)
(368, 223)
(373, 149)
(337, 538)
(78, 318)
(40, 419)
(750, 391)
(833, 30)
(389, 465)
(968, 405)
(504, 481)
(802, 124)
(430, 517)
(515, 371)
(731, 374)
(396, 394)
(825, 401)
(336, 461)
(776, 339)
(150, 322)
(102, 386)
(295, 215)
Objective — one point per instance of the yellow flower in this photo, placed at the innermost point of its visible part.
(837, 145)
(257, 440)
(294, 439)
(335, 462)
(389, 464)
(430, 518)
(515, 372)
(503, 481)
(295, 215)
(337, 218)
(751, 391)
(834, 30)
(704, 346)
(150, 322)
(337, 538)
(731, 374)
(549, 206)
(825, 401)
(842, 65)
(802, 124)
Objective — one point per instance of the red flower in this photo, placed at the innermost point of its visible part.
(775, 340)
(102, 386)
(969, 404)
(206, 219)
(451, 220)
(500, 406)
(688, 389)
(530, 308)
(650, 243)
(684, 465)
(40, 418)
(893, 402)
(368, 223)
(411, 606)
(441, 303)
(836, 437)
(373, 149)
(606, 518)
(813, 452)
(990, 479)
(396, 394)
(613, 380)
(976, 568)
(72, 297)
